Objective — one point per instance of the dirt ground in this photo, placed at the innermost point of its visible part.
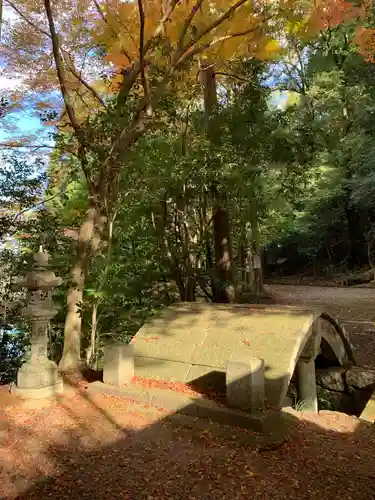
(353, 307)
(100, 447)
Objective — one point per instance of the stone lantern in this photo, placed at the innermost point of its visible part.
(38, 377)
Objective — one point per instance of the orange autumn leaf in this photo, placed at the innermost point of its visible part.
(365, 41)
(330, 14)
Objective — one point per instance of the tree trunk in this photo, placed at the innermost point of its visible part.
(91, 354)
(249, 275)
(223, 291)
(88, 242)
(257, 281)
(357, 244)
(222, 286)
(91, 351)
(242, 261)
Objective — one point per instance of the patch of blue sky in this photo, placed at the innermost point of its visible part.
(26, 123)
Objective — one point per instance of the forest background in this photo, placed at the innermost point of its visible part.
(165, 150)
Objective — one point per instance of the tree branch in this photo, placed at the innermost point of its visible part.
(163, 22)
(188, 22)
(36, 205)
(1, 17)
(232, 75)
(145, 85)
(104, 19)
(60, 68)
(77, 75)
(71, 68)
(215, 24)
(64, 91)
(193, 51)
(131, 78)
(24, 146)
(99, 10)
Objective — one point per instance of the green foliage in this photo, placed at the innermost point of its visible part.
(13, 350)
(297, 175)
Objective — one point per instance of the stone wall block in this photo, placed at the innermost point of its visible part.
(245, 385)
(118, 366)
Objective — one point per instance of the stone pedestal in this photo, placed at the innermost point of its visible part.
(118, 366)
(245, 384)
(38, 377)
(306, 380)
(38, 380)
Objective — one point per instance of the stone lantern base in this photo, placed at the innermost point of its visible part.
(38, 379)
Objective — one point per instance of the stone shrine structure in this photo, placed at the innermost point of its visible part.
(38, 377)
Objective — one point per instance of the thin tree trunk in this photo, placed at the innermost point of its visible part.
(242, 259)
(91, 351)
(88, 241)
(90, 354)
(249, 268)
(257, 282)
(223, 256)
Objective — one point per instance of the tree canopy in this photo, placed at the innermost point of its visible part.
(192, 144)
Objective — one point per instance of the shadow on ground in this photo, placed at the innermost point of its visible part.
(100, 447)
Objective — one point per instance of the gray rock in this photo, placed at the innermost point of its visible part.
(360, 378)
(331, 378)
(334, 401)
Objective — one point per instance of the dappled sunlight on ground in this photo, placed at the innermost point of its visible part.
(98, 446)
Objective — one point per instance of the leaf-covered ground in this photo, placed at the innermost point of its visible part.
(102, 447)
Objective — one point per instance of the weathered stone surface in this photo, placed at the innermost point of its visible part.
(360, 377)
(39, 392)
(206, 377)
(208, 335)
(331, 378)
(336, 344)
(311, 348)
(162, 369)
(118, 365)
(38, 375)
(171, 401)
(307, 385)
(245, 384)
(278, 433)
